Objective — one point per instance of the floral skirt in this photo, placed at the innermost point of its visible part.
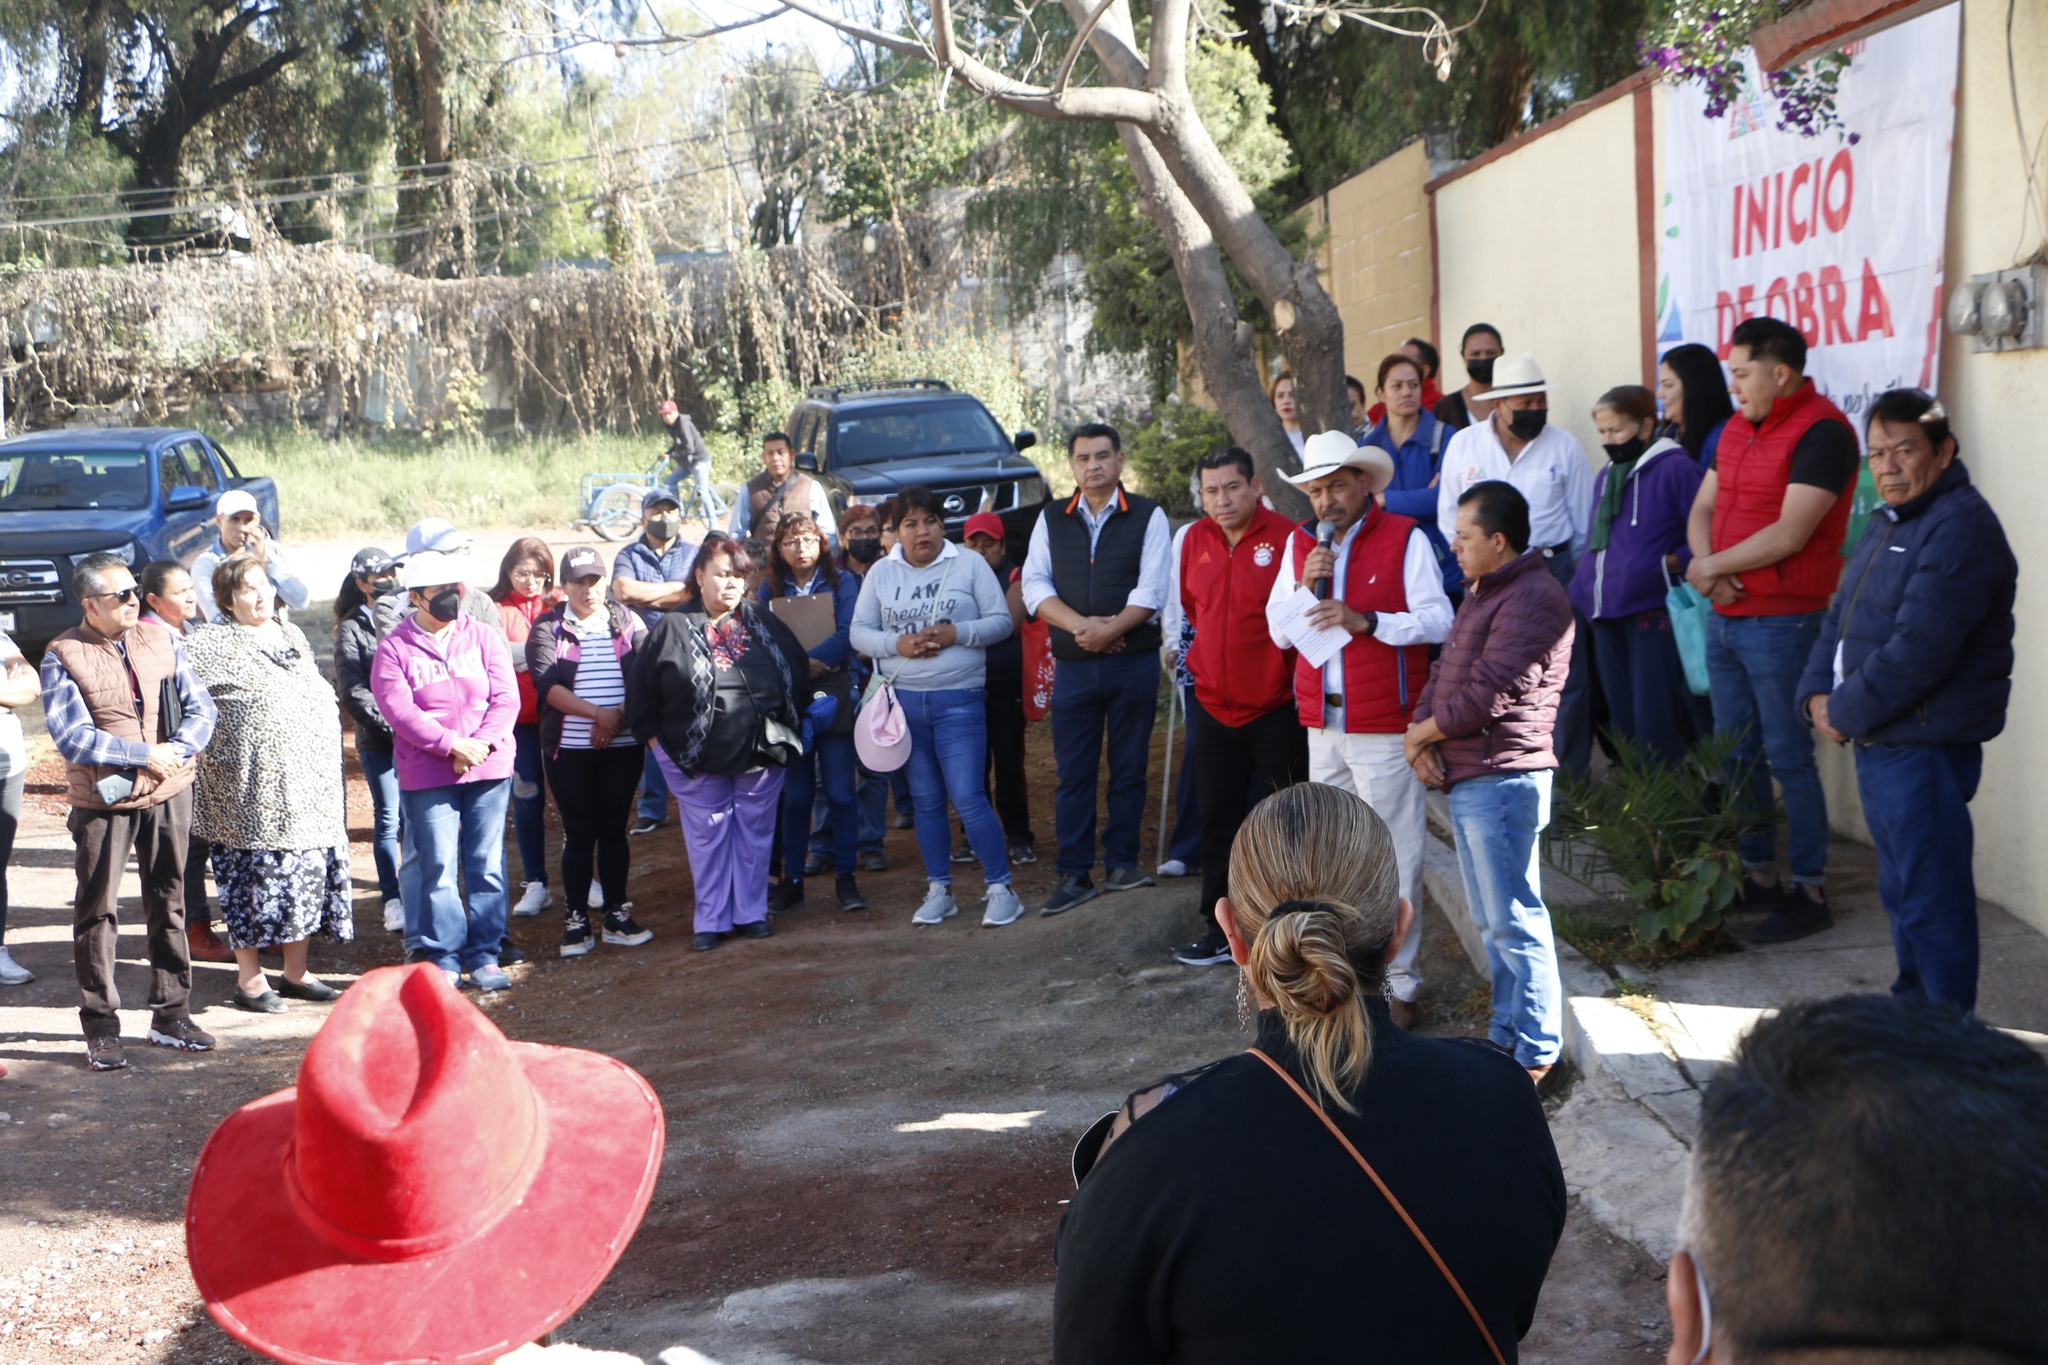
(270, 896)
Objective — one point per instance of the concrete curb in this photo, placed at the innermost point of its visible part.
(1624, 1136)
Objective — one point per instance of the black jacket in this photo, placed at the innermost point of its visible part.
(550, 665)
(1924, 620)
(669, 699)
(1227, 1227)
(355, 647)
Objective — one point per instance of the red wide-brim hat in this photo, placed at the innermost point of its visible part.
(281, 1276)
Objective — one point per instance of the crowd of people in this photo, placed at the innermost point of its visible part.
(1468, 604)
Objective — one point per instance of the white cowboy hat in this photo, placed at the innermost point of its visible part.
(1514, 375)
(1326, 452)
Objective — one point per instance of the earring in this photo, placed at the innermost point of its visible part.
(1244, 1002)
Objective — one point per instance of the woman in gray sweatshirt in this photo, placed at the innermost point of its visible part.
(928, 611)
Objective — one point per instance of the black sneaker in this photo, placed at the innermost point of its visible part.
(182, 1034)
(1126, 879)
(704, 943)
(904, 819)
(874, 861)
(576, 937)
(785, 896)
(963, 854)
(1211, 950)
(1796, 917)
(1758, 897)
(1073, 891)
(849, 894)
(758, 929)
(1023, 853)
(646, 826)
(620, 929)
(817, 865)
(104, 1052)
(510, 954)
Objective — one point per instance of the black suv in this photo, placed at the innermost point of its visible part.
(867, 442)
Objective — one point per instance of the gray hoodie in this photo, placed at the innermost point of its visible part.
(898, 600)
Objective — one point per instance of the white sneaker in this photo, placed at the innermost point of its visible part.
(1003, 907)
(394, 917)
(1173, 867)
(596, 897)
(534, 900)
(938, 905)
(12, 973)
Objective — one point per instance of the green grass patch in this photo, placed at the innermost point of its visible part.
(363, 483)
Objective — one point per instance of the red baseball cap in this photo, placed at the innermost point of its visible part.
(669, 408)
(430, 1190)
(984, 524)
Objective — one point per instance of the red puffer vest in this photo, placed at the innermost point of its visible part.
(1381, 683)
(1239, 675)
(1751, 467)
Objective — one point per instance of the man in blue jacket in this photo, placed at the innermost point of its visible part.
(1914, 665)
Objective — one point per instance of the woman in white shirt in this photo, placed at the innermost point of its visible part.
(578, 656)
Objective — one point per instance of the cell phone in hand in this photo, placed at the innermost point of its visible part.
(116, 786)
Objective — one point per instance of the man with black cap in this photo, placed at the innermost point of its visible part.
(1378, 576)
(652, 576)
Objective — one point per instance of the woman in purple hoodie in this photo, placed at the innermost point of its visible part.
(445, 685)
(1636, 551)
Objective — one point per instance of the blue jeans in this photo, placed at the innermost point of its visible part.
(1753, 667)
(379, 771)
(948, 754)
(1112, 695)
(871, 811)
(455, 830)
(1643, 679)
(1916, 800)
(529, 804)
(1497, 819)
(653, 790)
(831, 756)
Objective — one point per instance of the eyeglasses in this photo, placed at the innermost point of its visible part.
(126, 595)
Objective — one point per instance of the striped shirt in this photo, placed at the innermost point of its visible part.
(597, 677)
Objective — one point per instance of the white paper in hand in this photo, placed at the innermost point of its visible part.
(1317, 645)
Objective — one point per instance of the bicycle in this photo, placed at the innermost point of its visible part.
(611, 502)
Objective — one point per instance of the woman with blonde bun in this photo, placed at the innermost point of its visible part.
(1344, 1190)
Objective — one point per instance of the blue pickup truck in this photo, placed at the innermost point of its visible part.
(141, 492)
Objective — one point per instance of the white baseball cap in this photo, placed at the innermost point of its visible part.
(436, 535)
(429, 569)
(1326, 452)
(235, 500)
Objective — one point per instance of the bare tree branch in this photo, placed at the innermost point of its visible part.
(1170, 46)
(1066, 71)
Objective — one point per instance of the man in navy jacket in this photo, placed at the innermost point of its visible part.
(1914, 665)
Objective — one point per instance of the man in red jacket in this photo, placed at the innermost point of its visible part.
(1375, 571)
(1766, 532)
(1483, 730)
(1241, 724)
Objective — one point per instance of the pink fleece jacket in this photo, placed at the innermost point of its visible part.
(436, 689)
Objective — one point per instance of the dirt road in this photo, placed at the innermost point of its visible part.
(869, 1122)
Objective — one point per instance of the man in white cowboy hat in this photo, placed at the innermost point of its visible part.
(1382, 585)
(239, 529)
(1518, 445)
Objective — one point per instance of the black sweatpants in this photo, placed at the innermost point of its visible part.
(1273, 749)
(1010, 793)
(593, 793)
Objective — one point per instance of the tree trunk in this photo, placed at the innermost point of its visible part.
(1222, 341)
(421, 84)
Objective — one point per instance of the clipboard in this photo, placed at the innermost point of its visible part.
(811, 619)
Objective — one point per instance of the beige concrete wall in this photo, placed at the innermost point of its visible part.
(1375, 258)
(1542, 244)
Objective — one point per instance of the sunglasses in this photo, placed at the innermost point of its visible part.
(124, 596)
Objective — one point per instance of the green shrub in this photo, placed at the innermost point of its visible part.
(1160, 453)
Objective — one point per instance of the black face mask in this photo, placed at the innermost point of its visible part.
(1481, 369)
(382, 587)
(1528, 423)
(446, 604)
(1630, 449)
(864, 549)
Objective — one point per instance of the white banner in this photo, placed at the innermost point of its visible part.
(1841, 234)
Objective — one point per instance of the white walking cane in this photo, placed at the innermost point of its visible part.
(1166, 793)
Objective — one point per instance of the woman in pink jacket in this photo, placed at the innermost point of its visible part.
(445, 684)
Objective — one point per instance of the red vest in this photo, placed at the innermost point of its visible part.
(1239, 675)
(1751, 469)
(1381, 682)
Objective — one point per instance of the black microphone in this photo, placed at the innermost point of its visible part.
(1326, 536)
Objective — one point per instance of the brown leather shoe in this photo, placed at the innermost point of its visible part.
(206, 946)
(1537, 1074)
(1405, 1012)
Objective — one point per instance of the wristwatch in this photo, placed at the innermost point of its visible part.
(1372, 623)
